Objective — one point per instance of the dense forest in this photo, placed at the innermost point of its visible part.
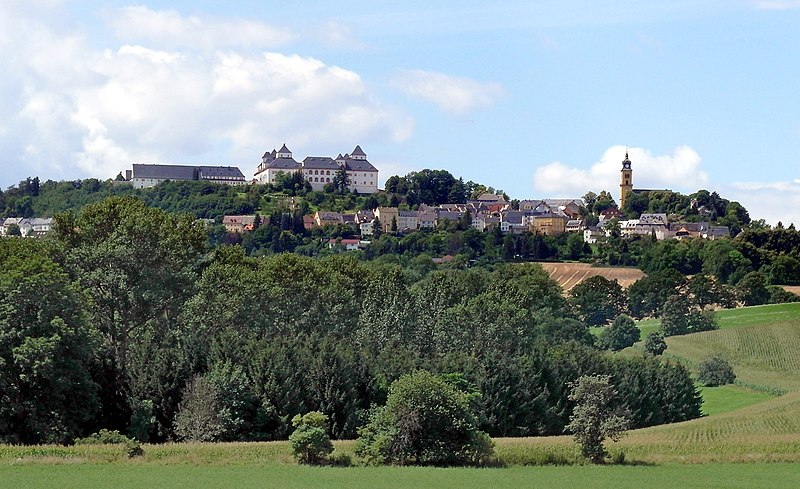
(126, 319)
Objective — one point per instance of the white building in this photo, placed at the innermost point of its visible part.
(320, 170)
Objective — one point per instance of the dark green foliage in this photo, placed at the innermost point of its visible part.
(256, 341)
(310, 443)
(785, 270)
(752, 289)
(425, 421)
(647, 296)
(779, 295)
(714, 371)
(679, 316)
(622, 333)
(597, 300)
(46, 348)
(596, 415)
(654, 344)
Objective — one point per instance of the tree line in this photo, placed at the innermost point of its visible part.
(126, 320)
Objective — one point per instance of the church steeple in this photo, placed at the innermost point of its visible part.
(626, 180)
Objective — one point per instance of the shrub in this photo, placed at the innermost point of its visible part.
(779, 295)
(310, 442)
(714, 371)
(104, 437)
(425, 421)
(654, 344)
(107, 437)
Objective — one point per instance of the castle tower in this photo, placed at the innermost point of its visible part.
(626, 180)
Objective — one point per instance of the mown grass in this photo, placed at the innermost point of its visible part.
(726, 398)
(755, 476)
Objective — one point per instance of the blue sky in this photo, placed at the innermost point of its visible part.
(538, 98)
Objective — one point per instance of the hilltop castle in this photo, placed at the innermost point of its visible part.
(320, 170)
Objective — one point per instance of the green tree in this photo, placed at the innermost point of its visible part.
(199, 416)
(654, 344)
(596, 415)
(341, 181)
(715, 371)
(47, 348)
(752, 289)
(597, 300)
(310, 443)
(622, 333)
(425, 421)
(646, 296)
(137, 264)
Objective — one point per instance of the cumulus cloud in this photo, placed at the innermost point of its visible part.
(678, 171)
(82, 110)
(776, 4)
(451, 94)
(771, 201)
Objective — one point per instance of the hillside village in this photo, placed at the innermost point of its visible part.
(353, 171)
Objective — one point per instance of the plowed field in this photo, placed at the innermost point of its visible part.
(568, 275)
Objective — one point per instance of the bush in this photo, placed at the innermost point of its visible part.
(107, 437)
(104, 437)
(621, 334)
(715, 371)
(310, 442)
(425, 421)
(779, 295)
(654, 344)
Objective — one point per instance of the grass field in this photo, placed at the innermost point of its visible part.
(726, 398)
(568, 275)
(290, 476)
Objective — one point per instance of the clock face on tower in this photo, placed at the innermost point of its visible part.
(626, 165)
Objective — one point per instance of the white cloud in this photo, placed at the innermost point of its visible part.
(678, 171)
(82, 111)
(168, 28)
(451, 94)
(776, 4)
(771, 201)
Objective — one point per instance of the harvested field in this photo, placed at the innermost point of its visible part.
(795, 289)
(568, 275)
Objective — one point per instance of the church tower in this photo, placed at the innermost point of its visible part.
(626, 180)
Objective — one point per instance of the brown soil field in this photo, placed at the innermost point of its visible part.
(568, 275)
(795, 289)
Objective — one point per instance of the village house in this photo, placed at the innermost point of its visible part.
(238, 224)
(328, 218)
(348, 244)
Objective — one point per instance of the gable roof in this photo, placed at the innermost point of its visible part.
(284, 164)
(359, 165)
(358, 152)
